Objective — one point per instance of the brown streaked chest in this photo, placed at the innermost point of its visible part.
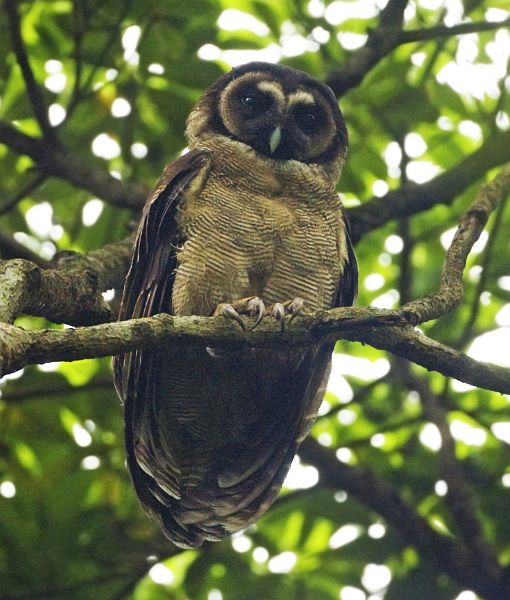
(256, 232)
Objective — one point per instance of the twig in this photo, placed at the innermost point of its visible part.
(451, 289)
(442, 31)
(34, 93)
(80, 91)
(484, 276)
(25, 190)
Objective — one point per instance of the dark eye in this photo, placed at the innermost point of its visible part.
(250, 101)
(255, 104)
(307, 119)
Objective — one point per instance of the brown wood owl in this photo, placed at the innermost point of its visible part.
(247, 222)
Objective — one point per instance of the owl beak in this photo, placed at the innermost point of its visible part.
(275, 139)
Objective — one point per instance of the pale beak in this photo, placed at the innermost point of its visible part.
(275, 139)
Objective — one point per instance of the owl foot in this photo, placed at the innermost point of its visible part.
(253, 307)
(279, 309)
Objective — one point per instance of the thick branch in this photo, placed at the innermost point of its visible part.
(71, 292)
(27, 288)
(451, 556)
(61, 296)
(74, 169)
(385, 330)
(451, 289)
(443, 189)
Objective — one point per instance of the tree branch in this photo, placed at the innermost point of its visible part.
(487, 257)
(34, 93)
(382, 329)
(387, 36)
(450, 555)
(408, 200)
(413, 198)
(442, 31)
(59, 163)
(381, 41)
(459, 497)
(63, 296)
(71, 292)
(451, 288)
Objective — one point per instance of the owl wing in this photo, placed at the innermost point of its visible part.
(347, 288)
(254, 457)
(149, 282)
(148, 291)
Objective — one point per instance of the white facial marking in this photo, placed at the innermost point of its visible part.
(273, 88)
(301, 97)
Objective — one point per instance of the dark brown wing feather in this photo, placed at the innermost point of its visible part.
(148, 285)
(148, 291)
(347, 290)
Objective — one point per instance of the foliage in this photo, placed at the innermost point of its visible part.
(118, 80)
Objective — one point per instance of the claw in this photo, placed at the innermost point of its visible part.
(291, 307)
(256, 308)
(295, 307)
(278, 312)
(229, 312)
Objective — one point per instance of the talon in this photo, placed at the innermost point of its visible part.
(229, 312)
(256, 308)
(294, 307)
(278, 312)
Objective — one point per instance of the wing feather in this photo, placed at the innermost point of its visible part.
(148, 291)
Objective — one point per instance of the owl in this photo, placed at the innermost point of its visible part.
(247, 222)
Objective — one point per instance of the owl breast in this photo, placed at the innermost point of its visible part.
(272, 237)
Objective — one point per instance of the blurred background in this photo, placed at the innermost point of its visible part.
(118, 80)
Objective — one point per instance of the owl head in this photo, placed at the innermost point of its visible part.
(281, 113)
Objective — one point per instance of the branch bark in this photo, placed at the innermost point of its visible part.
(451, 288)
(70, 292)
(385, 330)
